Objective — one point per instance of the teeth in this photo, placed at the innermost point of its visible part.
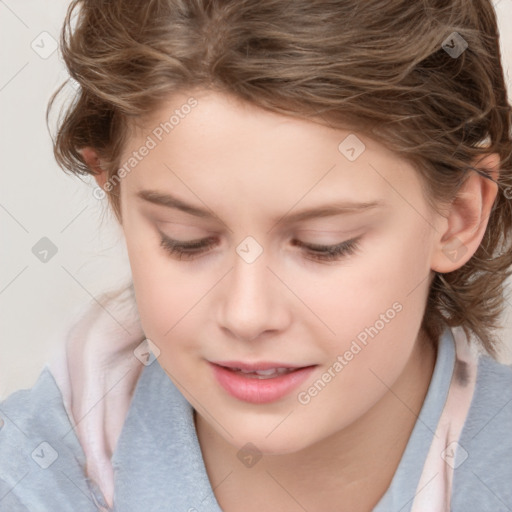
(271, 372)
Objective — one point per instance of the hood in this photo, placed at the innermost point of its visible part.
(96, 370)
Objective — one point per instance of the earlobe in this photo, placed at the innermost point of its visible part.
(468, 217)
(93, 161)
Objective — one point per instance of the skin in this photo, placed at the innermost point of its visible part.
(251, 167)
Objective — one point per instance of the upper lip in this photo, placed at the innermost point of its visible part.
(262, 365)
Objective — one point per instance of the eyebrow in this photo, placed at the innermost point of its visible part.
(326, 210)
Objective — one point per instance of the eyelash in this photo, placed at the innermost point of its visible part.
(322, 253)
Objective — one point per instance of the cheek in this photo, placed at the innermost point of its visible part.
(163, 291)
(389, 274)
(376, 325)
(173, 300)
(374, 307)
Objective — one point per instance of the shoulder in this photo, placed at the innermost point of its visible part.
(484, 471)
(491, 408)
(26, 416)
(41, 461)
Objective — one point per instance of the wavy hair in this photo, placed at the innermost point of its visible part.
(382, 66)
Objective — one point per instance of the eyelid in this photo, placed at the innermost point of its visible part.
(181, 220)
(196, 242)
(205, 241)
(184, 230)
(319, 247)
(192, 249)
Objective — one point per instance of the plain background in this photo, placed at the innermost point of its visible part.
(39, 201)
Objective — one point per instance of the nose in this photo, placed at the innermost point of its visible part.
(253, 301)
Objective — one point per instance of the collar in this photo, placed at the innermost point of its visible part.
(158, 461)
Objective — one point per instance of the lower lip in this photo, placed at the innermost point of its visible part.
(259, 391)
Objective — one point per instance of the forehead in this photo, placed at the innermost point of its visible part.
(212, 142)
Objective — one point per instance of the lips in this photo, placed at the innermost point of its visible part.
(259, 382)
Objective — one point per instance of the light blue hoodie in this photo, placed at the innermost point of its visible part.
(158, 465)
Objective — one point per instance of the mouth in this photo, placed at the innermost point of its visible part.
(259, 382)
(270, 373)
(264, 369)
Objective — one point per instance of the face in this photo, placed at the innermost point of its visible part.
(228, 268)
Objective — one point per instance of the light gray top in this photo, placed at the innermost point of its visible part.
(158, 463)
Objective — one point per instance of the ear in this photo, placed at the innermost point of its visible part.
(464, 227)
(93, 161)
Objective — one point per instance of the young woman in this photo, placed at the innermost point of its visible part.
(316, 202)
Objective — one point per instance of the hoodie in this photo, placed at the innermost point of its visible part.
(105, 429)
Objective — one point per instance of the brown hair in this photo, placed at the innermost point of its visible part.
(380, 65)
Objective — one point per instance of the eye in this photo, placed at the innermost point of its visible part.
(192, 248)
(186, 250)
(330, 252)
